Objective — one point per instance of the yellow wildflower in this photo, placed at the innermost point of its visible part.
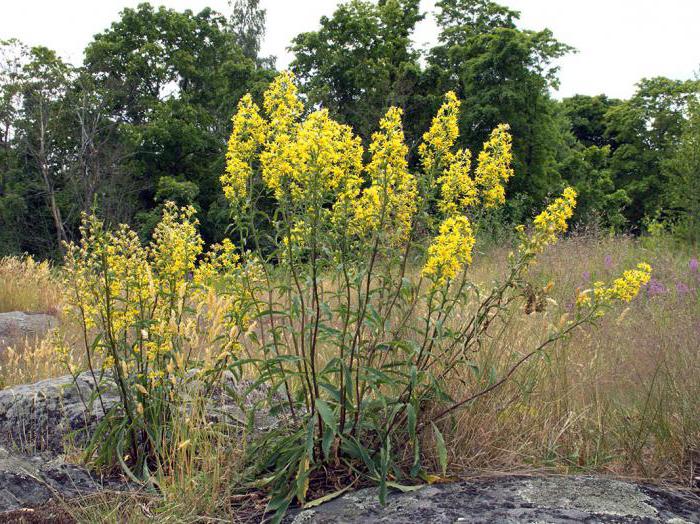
(553, 220)
(626, 287)
(435, 152)
(176, 245)
(390, 201)
(450, 250)
(282, 104)
(248, 135)
(457, 188)
(494, 166)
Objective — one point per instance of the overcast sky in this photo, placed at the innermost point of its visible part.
(619, 41)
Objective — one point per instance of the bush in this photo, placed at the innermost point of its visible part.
(333, 300)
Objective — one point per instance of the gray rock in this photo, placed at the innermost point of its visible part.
(513, 500)
(38, 417)
(31, 481)
(16, 326)
(37, 420)
(42, 416)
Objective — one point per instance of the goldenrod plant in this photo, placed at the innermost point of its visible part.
(355, 320)
(138, 308)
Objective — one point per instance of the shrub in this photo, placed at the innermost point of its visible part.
(333, 299)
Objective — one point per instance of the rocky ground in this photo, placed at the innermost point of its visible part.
(37, 420)
(513, 500)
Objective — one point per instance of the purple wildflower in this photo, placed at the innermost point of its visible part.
(655, 287)
(586, 275)
(608, 262)
(693, 265)
(682, 289)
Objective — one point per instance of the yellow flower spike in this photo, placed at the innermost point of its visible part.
(176, 246)
(282, 103)
(623, 289)
(627, 287)
(553, 220)
(435, 151)
(319, 161)
(248, 135)
(457, 188)
(450, 250)
(494, 166)
(390, 201)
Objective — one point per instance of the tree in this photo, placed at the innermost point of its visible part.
(247, 22)
(682, 170)
(588, 117)
(645, 129)
(13, 206)
(45, 82)
(171, 81)
(360, 61)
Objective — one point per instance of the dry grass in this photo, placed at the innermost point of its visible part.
(27, 285)
(32, 360)
(622, 397)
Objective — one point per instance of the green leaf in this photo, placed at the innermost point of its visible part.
(385, 458)
(403, 488)
(411, 414)
(327, 414)
(311, 425)
(326, 498)
(441, 449)
(328, 437)
(302, 479)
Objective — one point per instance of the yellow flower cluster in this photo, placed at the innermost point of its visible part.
(450, 250)
(282, 104)
(458, 190)
(390, 201)
(624, 288)
(307, 164)
(435, 151)
(452, 169)
(176, 245)
(325, 157)
(135, 297)
(494, 166)
(221, 260)
(553, 220)
(248, 135)
(224, 272)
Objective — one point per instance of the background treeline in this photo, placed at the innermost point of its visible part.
(145, 118)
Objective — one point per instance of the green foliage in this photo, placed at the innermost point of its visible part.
(248, 25)
(588, 118)
(645, 129)
(154, 96)
(682, 169)
(360, 61)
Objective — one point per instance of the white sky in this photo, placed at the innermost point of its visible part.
(619, 41)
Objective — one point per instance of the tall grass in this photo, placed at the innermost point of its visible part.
(28, 285)
(622, 397)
